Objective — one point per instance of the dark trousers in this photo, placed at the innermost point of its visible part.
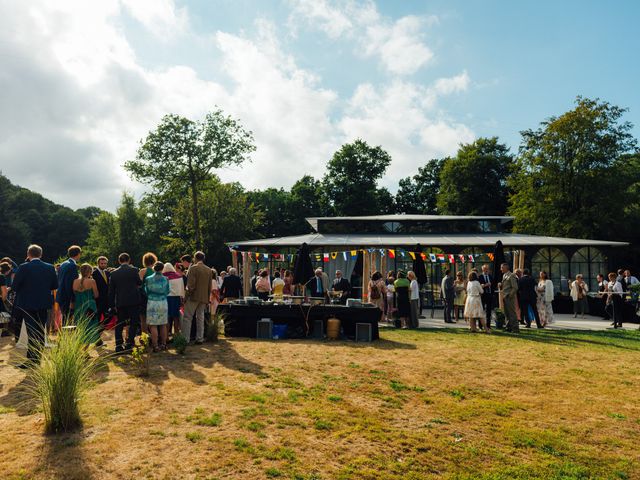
(525, 305)
(615, 310)
(487, 304)
(448, 308)
(35, 321)
(131, 316)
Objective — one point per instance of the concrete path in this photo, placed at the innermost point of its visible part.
(561, 322)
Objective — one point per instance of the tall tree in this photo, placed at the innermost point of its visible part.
(567, 167)
(351, 181)
(182, 152)
(130, 228)
(418, 194)
(474, 182)
(309, 199)
(277, 209)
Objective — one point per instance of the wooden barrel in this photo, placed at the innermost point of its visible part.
(333, 329)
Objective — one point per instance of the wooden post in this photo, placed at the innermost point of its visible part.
(246, 274)
(521, 259)
(383, 266)
(366, 273)
(234, 259)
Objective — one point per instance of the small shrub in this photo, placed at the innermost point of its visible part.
(214, 326)
(211, 421)
(334, 398)
(323, 425)
(273, 472)
(193, 437)
(140, 354)
(457, 394)
(180, 343)
(63, 375)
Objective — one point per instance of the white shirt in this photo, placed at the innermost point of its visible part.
(415, 290)
(616, 287)
(632, 280)
(277, 281)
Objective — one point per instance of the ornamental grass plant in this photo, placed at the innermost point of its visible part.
(64, 374)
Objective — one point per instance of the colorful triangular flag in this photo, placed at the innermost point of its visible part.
(392, 254)
(452, 259)
(412, 255)
(432, 257)
(462, 258)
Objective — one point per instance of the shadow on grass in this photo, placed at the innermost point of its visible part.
(187, 366)
(622, 339)
(63, 456)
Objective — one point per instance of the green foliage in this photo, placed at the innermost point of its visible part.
(140, 354)
(30, 218)
(474, 182)
(418, 194)
(214, 326)
(181, 154)
(180, 343)
(564, 164)
(63, 375)
(351, 181)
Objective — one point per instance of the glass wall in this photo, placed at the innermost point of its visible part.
(589, 261)
(556, 264)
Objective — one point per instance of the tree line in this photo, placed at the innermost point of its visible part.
(575, 175)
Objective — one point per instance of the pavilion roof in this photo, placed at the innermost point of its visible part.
(317, 240)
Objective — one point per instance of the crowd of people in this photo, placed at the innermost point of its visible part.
(163, 299)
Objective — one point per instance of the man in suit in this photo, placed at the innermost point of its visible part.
(528, 298)
(124, 296)
(487, 293)
(231, 288)
(67, 273)
(341, 284)
(509, 286)
(448, 293)
(197, 297)
(34, 283)
(101, 277)
(319, 285)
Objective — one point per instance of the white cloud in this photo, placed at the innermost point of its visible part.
(399, 45)
(161, 17)
(75, 101)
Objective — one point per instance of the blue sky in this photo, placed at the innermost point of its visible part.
(91, 78)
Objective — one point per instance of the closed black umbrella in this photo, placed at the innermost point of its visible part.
(418, 266)
(498, 260)
(302, 268)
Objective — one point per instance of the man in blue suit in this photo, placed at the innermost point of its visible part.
(67, 273)
(34, 284)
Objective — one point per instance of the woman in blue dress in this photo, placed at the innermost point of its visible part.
(156, 287)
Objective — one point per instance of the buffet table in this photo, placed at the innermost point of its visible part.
(241, 320)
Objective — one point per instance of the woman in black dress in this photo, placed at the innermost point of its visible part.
(402, 298)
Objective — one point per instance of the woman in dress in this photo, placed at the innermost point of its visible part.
(85, 291)
(460, 288)
(156, 287)
(263, 285)
(545, 299)
(473, 310)
(288, 283)
(579, 291)
(376, 291)
(214, 297)
(401, 286)
(175, 297)
(414, 299)
(148, 261)
(389, 304)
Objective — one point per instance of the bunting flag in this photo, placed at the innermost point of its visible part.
(412, 255)
(354, 253)
(462, 258)
(432, 257)
(344, 255)
(490, 256)
(326, 257)
(423, 256)
(383, 252)
(452, 259)
(441, 257)
(257, 257)
(266, 256)
(471, 258)
(392, 254)
(402, 253)
(334, 255)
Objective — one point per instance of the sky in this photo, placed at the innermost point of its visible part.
(83, 82)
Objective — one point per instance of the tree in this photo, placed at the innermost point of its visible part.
(276, 207)
(474, 182)
(226, 215)
(567, 169)
(183, 153)
(104, 238)
(351, 181)
(418, 194)
(309, 199)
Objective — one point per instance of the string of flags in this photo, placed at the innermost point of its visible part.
(388, 252)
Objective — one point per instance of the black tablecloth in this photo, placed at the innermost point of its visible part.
(241, 320)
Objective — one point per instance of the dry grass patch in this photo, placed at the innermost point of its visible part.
(426, 404)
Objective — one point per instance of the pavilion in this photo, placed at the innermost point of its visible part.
(361, 244)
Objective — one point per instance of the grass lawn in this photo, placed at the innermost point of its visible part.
(414, 405)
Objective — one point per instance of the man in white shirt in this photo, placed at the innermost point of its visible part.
(414, 300)
(629, 279)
